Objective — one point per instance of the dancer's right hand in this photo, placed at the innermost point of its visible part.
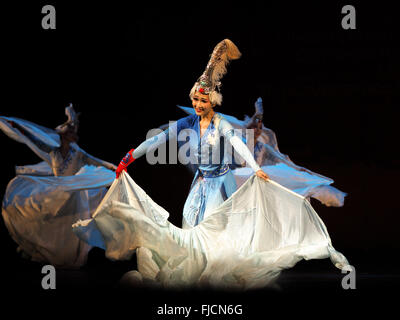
(125, 162)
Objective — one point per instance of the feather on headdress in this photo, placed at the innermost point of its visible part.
(210, 80)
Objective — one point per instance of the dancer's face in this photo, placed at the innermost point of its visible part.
(201, 104)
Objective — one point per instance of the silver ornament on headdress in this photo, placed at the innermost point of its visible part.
(223, 52)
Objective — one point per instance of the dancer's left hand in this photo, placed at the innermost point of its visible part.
(262, 175)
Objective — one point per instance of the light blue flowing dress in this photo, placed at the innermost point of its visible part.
(209, 155)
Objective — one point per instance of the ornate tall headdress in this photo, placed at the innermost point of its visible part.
(72, 121)
(209, 82)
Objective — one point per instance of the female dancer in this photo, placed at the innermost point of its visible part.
(43, 200)
(230, 238)
(213, 182)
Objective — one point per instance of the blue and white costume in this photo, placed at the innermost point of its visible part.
(44, 199)
(213, 182)
(230, 238)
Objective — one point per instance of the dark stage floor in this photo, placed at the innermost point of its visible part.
(95, 289)
(306, 276)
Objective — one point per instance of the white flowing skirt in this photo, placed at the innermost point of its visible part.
(260, 230)
(38, 211)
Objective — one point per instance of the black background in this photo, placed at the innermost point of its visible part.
(329, 94)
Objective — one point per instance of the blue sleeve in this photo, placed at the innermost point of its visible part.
(157, 140)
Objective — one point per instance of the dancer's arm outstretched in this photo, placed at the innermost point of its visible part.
(227, 130)
(153, 142)
(39, 143)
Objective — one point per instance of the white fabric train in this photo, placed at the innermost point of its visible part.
(260, 230)
(38, 212)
